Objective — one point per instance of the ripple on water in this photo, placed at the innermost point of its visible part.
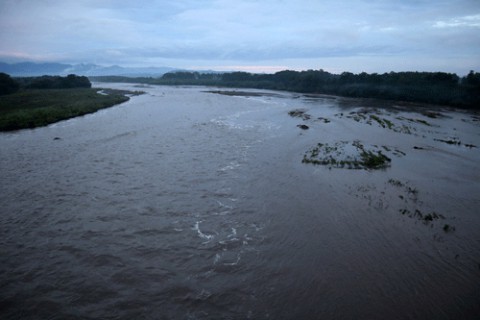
(186, 205)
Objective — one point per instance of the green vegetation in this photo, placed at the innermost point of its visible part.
(384, 123)
(338, 156)
(453, 141)
(456, 142)
(298, 113)
(414, 211)
(363, 116)
(38, 101)
(433, 115)
(425, 87)
(31, 108)
(374, 160)
(423, 122)
(426, 123)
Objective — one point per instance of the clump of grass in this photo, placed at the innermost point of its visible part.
(423, 122)
(303, 126)
(425, 218)
(299, 113)
(433, 115)
(431, 217)
(405, 129)
(384, 123)
(448, 228)
(396, 183)
(389, 123)
(357, 116)
(376, 118)
(413, 191)
(335, 156)
(416, 120)
(451, 141)
(361, 116)
(374, 160)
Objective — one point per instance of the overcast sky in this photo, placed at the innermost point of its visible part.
(258, 36)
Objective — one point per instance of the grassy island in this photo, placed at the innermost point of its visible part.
(35, 108)
(32, 106)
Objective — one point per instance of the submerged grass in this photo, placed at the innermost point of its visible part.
(337, 156)
(384, 123)
(374, 160)
(299, 113)
(36, 108)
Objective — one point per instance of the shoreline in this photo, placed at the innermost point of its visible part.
(33, 108)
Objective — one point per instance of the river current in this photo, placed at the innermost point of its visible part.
(188, 204)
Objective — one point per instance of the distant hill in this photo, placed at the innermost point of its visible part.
(31, 69)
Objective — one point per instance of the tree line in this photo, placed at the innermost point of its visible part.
(10, 85)
(425, 87)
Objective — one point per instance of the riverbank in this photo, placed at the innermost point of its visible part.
(434, 88)
(31, 108)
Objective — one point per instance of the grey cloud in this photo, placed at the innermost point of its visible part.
(220, 30)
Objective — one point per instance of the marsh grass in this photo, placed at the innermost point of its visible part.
(425, 218)
(362, 116)
(456, 142)
(299, 113)
(396, 183)
(424, 122)
(384, 123)
(374, 160)
(35, 108)
(433, 114)
(453, 141)
(324, 120)
(337, 156)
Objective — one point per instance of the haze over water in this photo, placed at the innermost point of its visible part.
(186, 204)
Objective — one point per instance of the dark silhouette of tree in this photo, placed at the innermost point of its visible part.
(425, 87)
(7, 84)
(56, 82)
(472, 79)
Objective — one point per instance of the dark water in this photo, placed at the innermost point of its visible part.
(183, 204)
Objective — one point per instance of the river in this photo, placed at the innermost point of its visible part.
(188, 204)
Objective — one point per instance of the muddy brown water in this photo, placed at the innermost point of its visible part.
(187, 204)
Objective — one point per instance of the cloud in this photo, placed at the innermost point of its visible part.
(237, 32)
(472, 21)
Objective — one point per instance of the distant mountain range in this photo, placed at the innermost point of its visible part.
(31, 69)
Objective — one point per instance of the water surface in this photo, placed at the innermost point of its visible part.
(187, 204)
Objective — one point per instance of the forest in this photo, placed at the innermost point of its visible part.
(425, 87)
(10, 85)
